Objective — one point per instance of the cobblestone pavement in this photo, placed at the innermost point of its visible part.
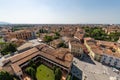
(95, 71)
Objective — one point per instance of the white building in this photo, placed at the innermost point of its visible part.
(76, 48)
(111, 61)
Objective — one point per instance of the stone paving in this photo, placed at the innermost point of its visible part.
(95, 71)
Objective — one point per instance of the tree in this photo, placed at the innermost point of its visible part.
(8, 48)
(5, 76)
(99, 34)
(58, 74)
(62, 44)
(43, 31)
(54, 68)
(48, 38)
(57, 34)
(31, 72)
(15, 77)
(114, 36)
(32, 64)
(2, 44)
(56, 37)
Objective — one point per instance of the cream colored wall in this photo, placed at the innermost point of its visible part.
(118, 49)
(91, 53)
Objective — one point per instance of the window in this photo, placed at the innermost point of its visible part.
(110, 59)
(115, 63)
(104, 59)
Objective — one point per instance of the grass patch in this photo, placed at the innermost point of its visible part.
(69, 77)
(44, 73)
(2, 43)
(1, 40)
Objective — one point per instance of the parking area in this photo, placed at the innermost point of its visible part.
(94, 70)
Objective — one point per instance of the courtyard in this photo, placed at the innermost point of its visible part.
(44, 73)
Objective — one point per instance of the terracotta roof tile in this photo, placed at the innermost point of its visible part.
(23, 57)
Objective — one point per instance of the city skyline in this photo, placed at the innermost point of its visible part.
(60, 12)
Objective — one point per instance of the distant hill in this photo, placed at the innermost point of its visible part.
(4, 23)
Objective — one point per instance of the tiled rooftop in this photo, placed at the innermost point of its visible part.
(96, 47)
(44, 51)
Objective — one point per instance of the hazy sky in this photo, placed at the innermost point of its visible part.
(60, 11)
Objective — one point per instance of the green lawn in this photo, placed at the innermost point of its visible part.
(1, 40)
(44, 73)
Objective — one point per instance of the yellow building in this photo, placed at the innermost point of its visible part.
(94, 51)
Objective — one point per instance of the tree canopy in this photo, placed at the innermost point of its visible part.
(57, 35)
(99, 34)
(31, 72)
(8, 48)
(43, 31)
(62, 44)
(58, 74)
(48, 38)
(5, 76)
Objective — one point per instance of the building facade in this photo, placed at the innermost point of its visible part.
(111, 61)
(76, 47)
(21, 34)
